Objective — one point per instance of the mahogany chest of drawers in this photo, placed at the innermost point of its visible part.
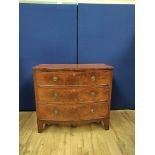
(72, 94)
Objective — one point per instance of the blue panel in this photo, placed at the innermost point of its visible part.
(106, 34)
(48, 34)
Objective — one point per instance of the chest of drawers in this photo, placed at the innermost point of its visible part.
(72, 94)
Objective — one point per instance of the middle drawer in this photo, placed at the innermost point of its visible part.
(73, 94)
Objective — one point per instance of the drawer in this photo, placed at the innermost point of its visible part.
(58, 94)
(95, 77)
(58, 78)
(94, 94)
(73, 95)
(88, 77)
(72, 112)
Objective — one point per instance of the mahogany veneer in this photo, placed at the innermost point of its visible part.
(72, 94)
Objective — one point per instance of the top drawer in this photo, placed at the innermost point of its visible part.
(74, 78)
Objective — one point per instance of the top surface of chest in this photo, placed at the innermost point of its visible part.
(51, 67)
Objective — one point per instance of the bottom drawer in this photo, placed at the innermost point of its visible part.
(72, 112)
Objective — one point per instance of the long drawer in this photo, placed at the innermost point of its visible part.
(71, 112)
(74, 78)
(73, 94)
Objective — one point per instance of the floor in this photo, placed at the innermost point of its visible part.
(89, 139)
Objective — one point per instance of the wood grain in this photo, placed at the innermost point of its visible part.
(88, 139)
(77, 77)
(74, 94)
(72, 112)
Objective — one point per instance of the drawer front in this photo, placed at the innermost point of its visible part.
(58, 78)
(98, 77)
(73, 95)
(72, 112)
(94, 94)
(59, 95)
(87, 77)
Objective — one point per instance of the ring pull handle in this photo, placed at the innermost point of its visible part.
(55, 95)
(55, 78)
(93, 78)
(92, 110)
(93, 94)
(56, 112)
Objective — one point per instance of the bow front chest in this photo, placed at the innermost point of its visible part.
(72, 94)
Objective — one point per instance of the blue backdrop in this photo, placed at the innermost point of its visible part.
(106, 35)
(48, 34)
(85, 34)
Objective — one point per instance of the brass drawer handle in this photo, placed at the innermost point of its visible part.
(56, 112)
(93, 78)
(55, 78)
(93, 93)
(55, 95)
(92, 110)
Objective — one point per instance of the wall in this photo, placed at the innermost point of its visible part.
(106, 34)
(48, 34)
